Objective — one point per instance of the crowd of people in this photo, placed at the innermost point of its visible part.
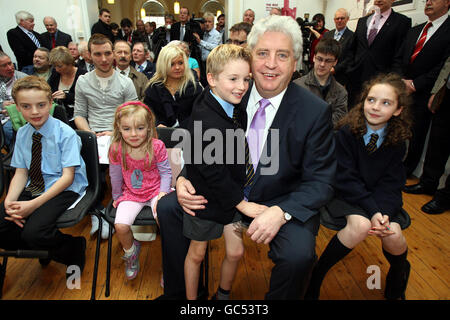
(344, 136)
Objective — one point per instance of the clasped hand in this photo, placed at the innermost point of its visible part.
(18, 211)
(380, 226)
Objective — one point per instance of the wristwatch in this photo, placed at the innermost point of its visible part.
(287, 216)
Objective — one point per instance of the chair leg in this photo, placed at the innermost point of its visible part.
(97, 255)
(3, 274)
(206, 267)
(108, 262)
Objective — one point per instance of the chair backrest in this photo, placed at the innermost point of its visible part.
(89, 152)
(175, 139)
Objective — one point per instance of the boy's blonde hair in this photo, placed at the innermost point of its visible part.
(31, 82)
(141, 114)
(221, 55)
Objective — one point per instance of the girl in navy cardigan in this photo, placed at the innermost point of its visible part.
(370, 145)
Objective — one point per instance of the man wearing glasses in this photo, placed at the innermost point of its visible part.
(238, 34)
(321, 82)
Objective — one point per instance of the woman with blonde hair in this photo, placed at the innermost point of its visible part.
(64, 78)
(172, 89)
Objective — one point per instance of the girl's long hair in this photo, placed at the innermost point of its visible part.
(398, 127)
(141, 115)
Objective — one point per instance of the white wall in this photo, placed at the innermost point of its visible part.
(68, 15)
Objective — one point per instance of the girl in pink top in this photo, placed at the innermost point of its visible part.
(140, 174)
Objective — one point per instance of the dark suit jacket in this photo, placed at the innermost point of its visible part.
(149, 69)
(345, 58)
(22, 46)
(379, 57)
(221, 182)
(175, 32)
(301, 174)
(428, 63)
(103, 28)
(62, 39)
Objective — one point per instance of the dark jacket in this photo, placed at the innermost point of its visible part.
(336, 95)
(167, 109)
(53, 81)
(345, 58)
(103, 28)
(372, 181)
(22, 46)
(379, 56)
(62, 39)
(221, 182)
(149, 69)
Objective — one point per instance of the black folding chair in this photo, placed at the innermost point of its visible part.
(173, 138)
(72, 216)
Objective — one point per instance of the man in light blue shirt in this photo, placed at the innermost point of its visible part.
(211, 39)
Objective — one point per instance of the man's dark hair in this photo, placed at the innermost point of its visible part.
(222, 15)
(241, 26)
(98, 39)
(114, 26)
(125, 22)
(329, 46)
(103, 10)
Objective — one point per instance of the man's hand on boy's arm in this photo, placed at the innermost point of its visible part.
(251, 209)
(187, 198)
(266, 225)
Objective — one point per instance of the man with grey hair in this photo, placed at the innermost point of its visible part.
(54, 37)
(23, 40)
(8, 76)
(296, 141)
(85, 62)
(249, 16)
(41, 65)
(344, 36)
(211, 39)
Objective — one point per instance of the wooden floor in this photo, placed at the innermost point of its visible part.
(429, 249)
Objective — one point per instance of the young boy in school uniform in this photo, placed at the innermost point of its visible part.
(221, 180)
(50, 176)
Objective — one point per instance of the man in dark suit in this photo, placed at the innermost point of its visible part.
(23, 40)
(294, 174)
(423, 54)
(438, 150)
(344, 36)
(377, 39)
(102, 26)
(141, 60)
(54, 37)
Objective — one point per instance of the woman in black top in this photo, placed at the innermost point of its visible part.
(64, 78)
(172, 89)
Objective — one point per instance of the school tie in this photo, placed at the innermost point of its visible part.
(249, 170)
(36, 186)
(420, 43)
(372, 145)
(34, 39)
(256, 131)
(122, 72)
